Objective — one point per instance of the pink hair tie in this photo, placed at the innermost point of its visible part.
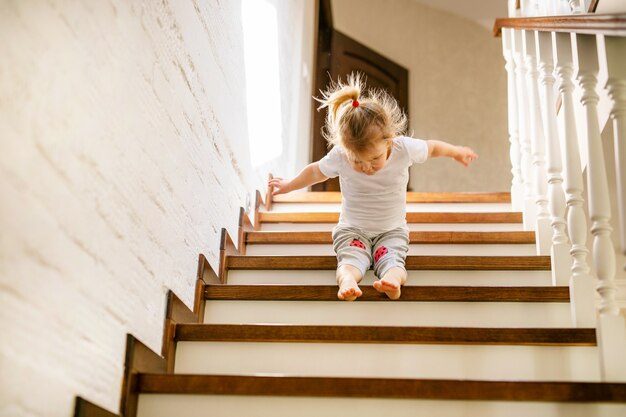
(355, 103)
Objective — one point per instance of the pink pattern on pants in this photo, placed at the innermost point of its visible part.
(363, 250)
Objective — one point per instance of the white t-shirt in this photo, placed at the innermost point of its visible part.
(375, 203)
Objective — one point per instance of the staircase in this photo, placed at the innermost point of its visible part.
(479, 330)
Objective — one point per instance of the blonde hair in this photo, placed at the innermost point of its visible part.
(348, 125)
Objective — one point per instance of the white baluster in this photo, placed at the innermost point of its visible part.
(612, 325)
(564, 7)
(560, 256)
(517, 187)
(616, 85)
(552, 7)
(524, 138)
(511, 9)
(539, 179)
(581, 283)
(576, 6)
(598, 189)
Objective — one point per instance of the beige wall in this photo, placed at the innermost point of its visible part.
(457, 85)
(124, 153)
(611, 6)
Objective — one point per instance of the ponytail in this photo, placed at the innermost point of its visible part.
(338, 94)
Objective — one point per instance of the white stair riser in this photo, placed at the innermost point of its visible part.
(153, 405)
(418, 227)
(375, 313)
(414, 249)
(528, 363)
(410, 207)
(415, 277)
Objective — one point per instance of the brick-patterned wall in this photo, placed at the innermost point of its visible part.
(123, 153)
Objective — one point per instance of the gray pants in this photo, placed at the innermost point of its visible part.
(363, 250)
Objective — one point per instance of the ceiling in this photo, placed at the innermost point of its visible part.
(483, 12)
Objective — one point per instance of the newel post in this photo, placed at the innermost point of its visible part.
(581, 283)
(517, 187)
(539, 179)
(523, 128)
(560, 256)
(612, 325)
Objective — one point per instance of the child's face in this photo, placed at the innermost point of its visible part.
(372, 159)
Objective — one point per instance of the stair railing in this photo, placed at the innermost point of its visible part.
(563, 72)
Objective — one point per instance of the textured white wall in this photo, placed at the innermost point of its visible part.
(457, 85)
(124, 152)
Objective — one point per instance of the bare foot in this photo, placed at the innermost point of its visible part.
(389, 287)
(391, 283)
(348, 278)
(349, 290)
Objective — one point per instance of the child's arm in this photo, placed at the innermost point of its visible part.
(461, 154)
(310, 175)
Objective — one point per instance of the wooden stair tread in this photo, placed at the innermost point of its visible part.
(385, 334)
(411, 197)
(411, 217)
(85, 408)
(434, 389)
(409, 293)
(412, 262)
(415, 237)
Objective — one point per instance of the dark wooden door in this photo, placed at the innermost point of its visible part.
(348, 55)
(339, 55)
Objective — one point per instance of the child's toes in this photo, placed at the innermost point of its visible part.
(388, 285)
(349, 294)
(394, 286)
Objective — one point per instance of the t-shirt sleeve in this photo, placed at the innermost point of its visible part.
(330, 165)
(417, 149)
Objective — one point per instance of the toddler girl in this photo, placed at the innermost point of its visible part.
(372, 158)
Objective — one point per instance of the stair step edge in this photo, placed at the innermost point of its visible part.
(435, 389)
(412, 262)
(411, 197)
(411, 217)
(415, 237)
(409, 293)
(385, 334)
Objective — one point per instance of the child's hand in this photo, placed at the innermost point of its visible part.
(280, 185)
(465, 155)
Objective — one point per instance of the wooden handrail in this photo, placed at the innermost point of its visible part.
(605, 24)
